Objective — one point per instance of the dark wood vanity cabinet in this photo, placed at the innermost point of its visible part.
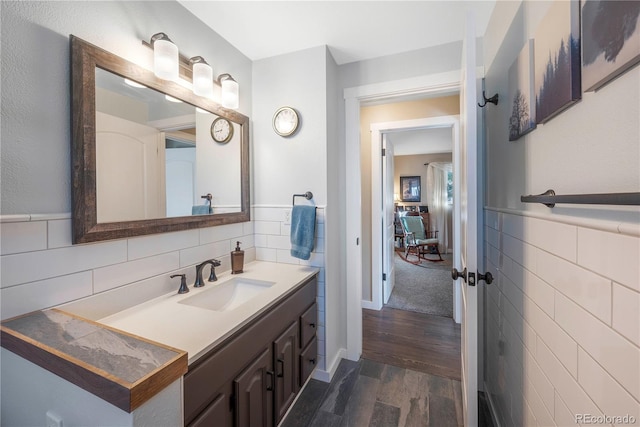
(253, 392)
(308, 342)
(252, 377)
(285, 350)
(217, 413)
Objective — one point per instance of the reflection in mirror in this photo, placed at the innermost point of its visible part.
(166, 159)
(144, 165)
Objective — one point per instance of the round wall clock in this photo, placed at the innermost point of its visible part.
(221, 130)
(285, 121)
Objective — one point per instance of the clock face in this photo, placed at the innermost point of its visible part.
(221, 130)
(285, 121)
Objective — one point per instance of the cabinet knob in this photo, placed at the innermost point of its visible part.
(313, 325)
(312, 361)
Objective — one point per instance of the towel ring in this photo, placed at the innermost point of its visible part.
(308, 195)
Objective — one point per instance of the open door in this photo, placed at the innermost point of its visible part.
(467, 224)
(388, 212)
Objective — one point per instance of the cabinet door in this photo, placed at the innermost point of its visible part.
(286, 363)
(217, 414)
(253, 390)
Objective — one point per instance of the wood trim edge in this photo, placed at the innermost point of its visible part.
(93, 382)
(120, 393)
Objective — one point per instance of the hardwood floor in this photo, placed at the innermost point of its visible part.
(416, 341)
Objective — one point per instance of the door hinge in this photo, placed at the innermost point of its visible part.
(384, 152)
(384, 276)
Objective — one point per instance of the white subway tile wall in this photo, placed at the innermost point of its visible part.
(562, 321)
(272, 242)
(41, 268)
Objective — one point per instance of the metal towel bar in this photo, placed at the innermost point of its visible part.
(549, 199)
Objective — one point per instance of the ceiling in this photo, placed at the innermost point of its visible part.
(353, 30)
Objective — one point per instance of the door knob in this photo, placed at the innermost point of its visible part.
(455, 274)
(487, 277)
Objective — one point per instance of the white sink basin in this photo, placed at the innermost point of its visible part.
(228, 295)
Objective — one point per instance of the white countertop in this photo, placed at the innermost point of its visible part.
(197, 330)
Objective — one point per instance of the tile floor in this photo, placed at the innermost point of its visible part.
(369, 393)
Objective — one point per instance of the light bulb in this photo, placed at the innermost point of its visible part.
(165, 57)
(202, 77)
(230, 92)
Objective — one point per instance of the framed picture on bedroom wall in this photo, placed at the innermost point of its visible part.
(410, 187)
(557, 60)
(610, 40)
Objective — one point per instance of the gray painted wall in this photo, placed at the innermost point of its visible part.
(295, 164)
(36, 135)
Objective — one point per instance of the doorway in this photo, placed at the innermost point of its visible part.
(422, 274)
(431, 85)
(384, 195)
(401, 336)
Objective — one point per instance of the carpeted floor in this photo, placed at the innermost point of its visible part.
(425, 287)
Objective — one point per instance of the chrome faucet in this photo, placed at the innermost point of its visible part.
(212, 277)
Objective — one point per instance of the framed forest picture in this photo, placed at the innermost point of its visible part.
(610, 40)
(557, 60)
(521, 95)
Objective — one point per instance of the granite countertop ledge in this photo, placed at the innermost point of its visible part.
(118, 367)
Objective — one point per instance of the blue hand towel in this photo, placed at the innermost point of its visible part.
(303, 230)
(201, 210)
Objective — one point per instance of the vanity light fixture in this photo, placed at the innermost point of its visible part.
(230, 91)
(165, 57)
(168, 64)
(202, 77)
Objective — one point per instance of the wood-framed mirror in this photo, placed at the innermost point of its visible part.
(143, 154)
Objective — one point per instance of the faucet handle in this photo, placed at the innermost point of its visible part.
(183, 283)
(212, 276)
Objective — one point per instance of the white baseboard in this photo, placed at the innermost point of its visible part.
(326, 375)
(370, 305)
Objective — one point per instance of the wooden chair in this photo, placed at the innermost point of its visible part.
(417, 240)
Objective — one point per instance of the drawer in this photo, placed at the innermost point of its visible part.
(308, 359)
(308, 325)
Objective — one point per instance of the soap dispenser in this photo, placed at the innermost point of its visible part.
(237, 260)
